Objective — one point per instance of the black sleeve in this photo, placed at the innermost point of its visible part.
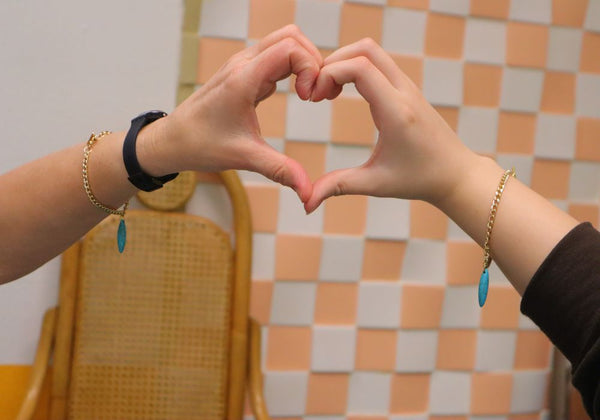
(563, 299)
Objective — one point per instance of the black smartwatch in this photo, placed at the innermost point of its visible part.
(137, 176)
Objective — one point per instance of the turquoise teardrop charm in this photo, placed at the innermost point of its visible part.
(121, 235)
(484, 282)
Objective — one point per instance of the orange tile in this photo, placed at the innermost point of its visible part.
(208, 177)
(409, 393)
(491, 393)
(351, 122)
(526, 44)
(550, 178)
(569, 12)
(531, 417)
(327, 393)
(448, 418)
(267, 16)
(264, 205)
(325, 52)
(481, 84)
(366, 417)
(426, 221)
(297, 257)
(213, 53)
(261, 293)
(288, 348)
(464, 263)
(590, 58)
(444, 36)
(449, 114)
(360, 21)
(271, 115)
(336, 304)
(310, 155)
(383, 259)
(494, 9)
(501, 310)
(345, 215)
(516, 133)
(585, 213)
(411, 66)
(559, 93)
(533, 350)
(375, 350)
(410, 4)
(421, 306)
(456, 349)
(588, 140)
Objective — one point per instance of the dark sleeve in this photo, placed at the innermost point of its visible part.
(563, 299)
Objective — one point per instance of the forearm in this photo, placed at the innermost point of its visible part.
(527, 226)
(44, 208)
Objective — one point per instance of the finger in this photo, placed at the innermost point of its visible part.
(378, 56)
(341, 182)
(289, 31)
(278, 62)
(280, 168)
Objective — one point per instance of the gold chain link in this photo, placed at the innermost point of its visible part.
(86, 183)
(487, 259)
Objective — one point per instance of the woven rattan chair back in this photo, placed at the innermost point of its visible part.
(159, 332)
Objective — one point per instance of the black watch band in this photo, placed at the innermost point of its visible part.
(137, 176)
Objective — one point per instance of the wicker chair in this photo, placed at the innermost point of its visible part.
(160, 332)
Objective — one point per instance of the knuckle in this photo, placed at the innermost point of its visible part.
(368, 44)
(292, 29)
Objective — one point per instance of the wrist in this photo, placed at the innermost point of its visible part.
(153, 155)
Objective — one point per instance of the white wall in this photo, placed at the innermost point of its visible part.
(67, 68)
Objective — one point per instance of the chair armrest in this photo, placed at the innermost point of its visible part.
(40, 366)
(255, 376)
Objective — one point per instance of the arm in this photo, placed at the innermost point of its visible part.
(43, 207)
(418, 156)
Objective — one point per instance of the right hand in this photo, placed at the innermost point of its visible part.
(417, 155)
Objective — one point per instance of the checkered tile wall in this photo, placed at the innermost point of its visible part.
(369, 304)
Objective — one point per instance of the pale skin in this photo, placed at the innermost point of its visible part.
(417, 156)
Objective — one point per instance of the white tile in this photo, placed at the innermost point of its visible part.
(485, 41)
(525, 323)
(377, 2)
(388, 218)
(263, 256)
(460, 308)
(293, 303)
(450, 393)
(452, 7)
(561, 204)
(588, 95)
(293, 219)
(537, 11)
(584, 184)
(224, 18)
(320, 21)
(410, 417)
(478, 128)
(555, 136)
(443, 81)
(324, 418)
(283, 85)
(369, 393)
(592, 20)
(564, 49)
(495, 350)
(379, 304)
(309, 121)
(341, 157)
(455, 233)
(403, 31)
(212, 202)
(249, 177)
(521, 89)
(341, 258)
(276, 143)
(497, 277)
(488, 418)
(424, 261)
(528, 391)
(416, 351)
(285, 393)
(523, 165)
(333, 349)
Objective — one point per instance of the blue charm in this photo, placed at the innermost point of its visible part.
(484, 282)
(121, 235)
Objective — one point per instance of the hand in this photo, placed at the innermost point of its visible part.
(417, 154)
(216, 128)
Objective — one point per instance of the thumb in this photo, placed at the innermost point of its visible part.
(280, 168)
(340, 182)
